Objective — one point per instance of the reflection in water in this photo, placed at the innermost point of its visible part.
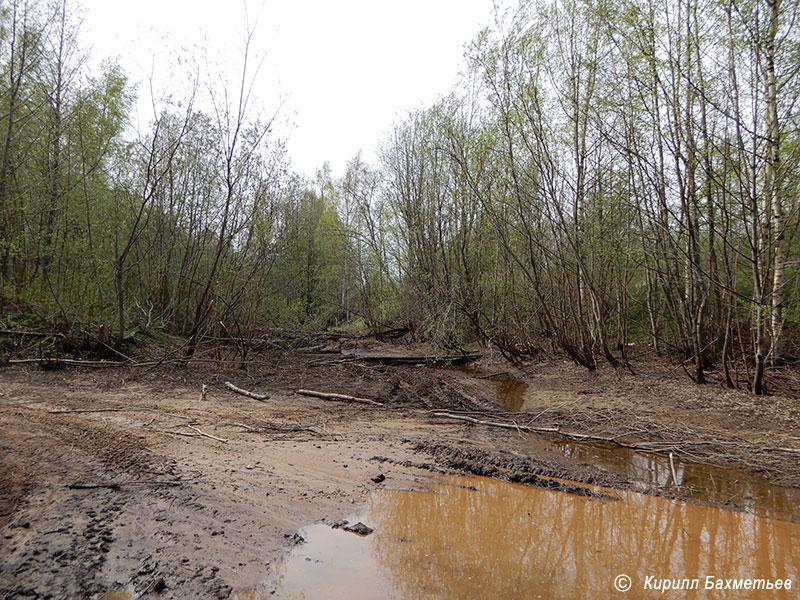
(510, 393)
(697, 480)
(506, 541)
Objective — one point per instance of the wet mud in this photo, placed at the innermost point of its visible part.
(124, 482)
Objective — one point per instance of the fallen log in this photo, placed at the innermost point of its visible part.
(390, 334)
(341, 397)
(247, 393)
(31, 333)
(318, 349)
(53, 362)
(436, 360)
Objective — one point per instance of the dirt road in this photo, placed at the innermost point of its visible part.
(127, 478)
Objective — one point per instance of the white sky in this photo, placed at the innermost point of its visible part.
(346, 68)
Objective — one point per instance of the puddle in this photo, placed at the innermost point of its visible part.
(481, 538)
(697, 480)
(509, 391)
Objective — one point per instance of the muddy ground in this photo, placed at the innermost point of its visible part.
(116, 478)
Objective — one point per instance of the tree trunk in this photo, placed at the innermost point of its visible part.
(772, 185)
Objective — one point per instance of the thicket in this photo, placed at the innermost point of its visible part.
(607, 175)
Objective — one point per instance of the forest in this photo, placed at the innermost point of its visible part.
(608, 180)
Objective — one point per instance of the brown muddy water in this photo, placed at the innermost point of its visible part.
(481, 538)
(509, 391)
(696, 480)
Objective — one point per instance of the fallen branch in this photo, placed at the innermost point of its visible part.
(549, 408)
(493, 375)
(238, 390)
(517, 427)
(92, 486)
(116, 486)
(328, 363)
(342, 397)
(208, 435)
(514, 426)
(242, 425)
(682, 446)
(92, 410)
(183, 433)
(62, 411)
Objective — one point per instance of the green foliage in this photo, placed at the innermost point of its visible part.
(597, 179)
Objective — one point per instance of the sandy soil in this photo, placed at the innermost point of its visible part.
(125, 478)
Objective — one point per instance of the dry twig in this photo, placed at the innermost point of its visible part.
(208, 435)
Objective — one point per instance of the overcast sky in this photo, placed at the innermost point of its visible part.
(346, 68)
